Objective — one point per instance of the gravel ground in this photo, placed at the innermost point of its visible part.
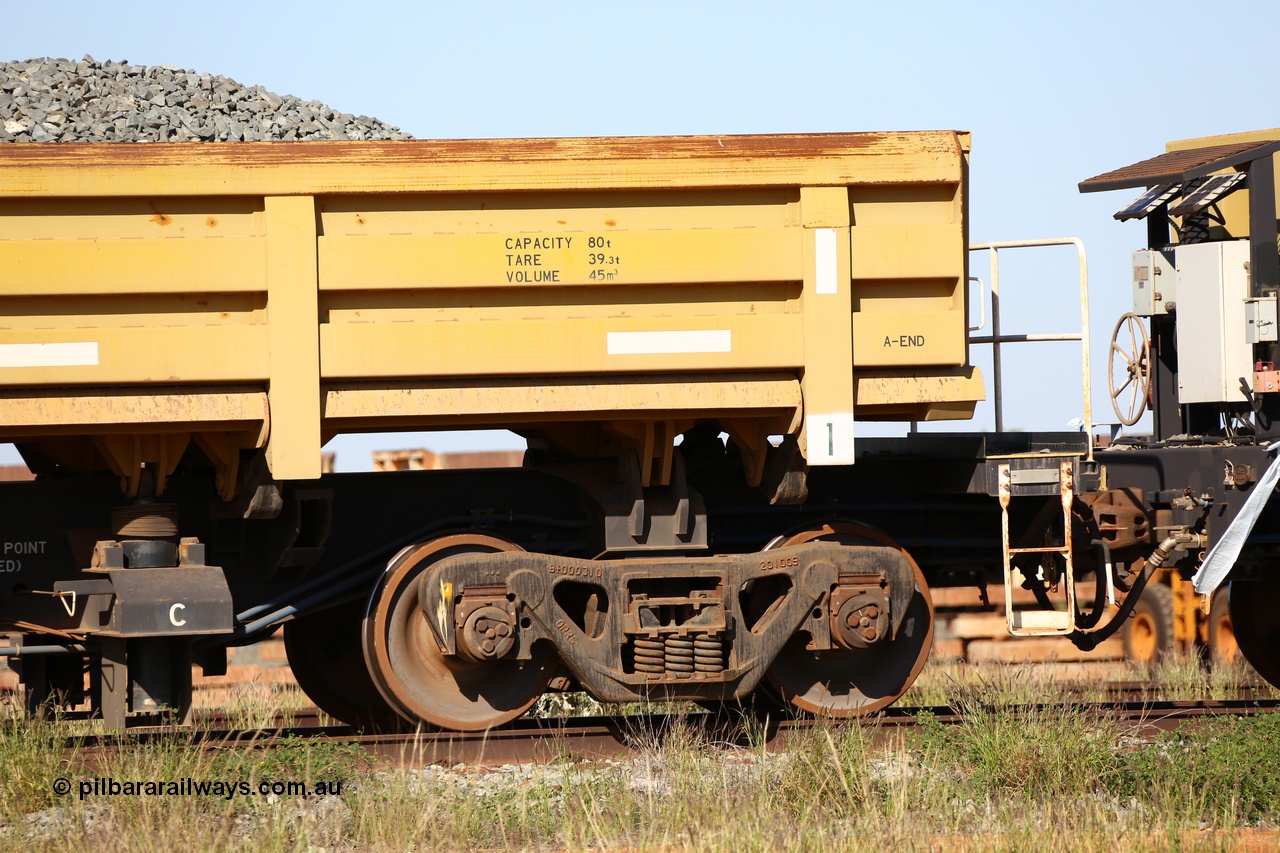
(60, 100)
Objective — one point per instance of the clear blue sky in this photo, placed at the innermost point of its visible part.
(1053, 94)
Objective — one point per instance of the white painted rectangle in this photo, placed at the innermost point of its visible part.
(669, 343)
(830, 439)
(824, 242)
(78, 354)
(1035, 477)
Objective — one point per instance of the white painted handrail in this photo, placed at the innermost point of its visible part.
(996, 338)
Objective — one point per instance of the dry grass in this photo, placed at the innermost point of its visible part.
(1004, 780)
(950, 682)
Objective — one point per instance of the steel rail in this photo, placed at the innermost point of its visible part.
(533, 740)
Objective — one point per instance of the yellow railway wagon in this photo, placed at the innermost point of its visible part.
(188, 323)
(596, 294)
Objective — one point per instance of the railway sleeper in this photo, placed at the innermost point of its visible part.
(704, 628)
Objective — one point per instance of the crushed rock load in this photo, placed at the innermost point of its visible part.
(57, 100)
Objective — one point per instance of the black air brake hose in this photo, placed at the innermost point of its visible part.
(1088, 641)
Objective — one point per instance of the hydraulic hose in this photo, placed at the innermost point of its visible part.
(1088, 641)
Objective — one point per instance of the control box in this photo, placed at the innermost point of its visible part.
(1260, 319)
(1213, 351)
(1154, 283)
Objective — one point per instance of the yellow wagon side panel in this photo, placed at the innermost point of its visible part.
(370, 286)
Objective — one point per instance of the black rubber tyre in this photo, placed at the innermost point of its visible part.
(1148, 632)
(1255, 620)
(1222, 645)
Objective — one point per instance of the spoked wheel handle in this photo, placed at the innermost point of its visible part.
(1133, 366)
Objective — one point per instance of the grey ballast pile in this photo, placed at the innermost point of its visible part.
(58, 100)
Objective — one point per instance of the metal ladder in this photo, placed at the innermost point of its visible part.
(1012, 480)
(1018, 476)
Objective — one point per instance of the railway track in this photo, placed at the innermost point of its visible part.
(1130, 690)
(531, 740)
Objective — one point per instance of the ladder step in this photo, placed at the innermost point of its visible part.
(1048, 549)
(1041, 621)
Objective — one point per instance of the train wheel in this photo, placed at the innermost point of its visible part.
(840, 683)
(324, 653)
(1223, 648)
(1148, 633)
(411, 672)
(1255, 620)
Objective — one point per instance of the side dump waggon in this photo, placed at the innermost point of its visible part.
(184, 326)
(687, 332)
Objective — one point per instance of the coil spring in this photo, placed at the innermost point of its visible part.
(679, 654)
(648, 654)
(708, 653)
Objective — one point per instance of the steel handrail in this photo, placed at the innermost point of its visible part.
(996, 338)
